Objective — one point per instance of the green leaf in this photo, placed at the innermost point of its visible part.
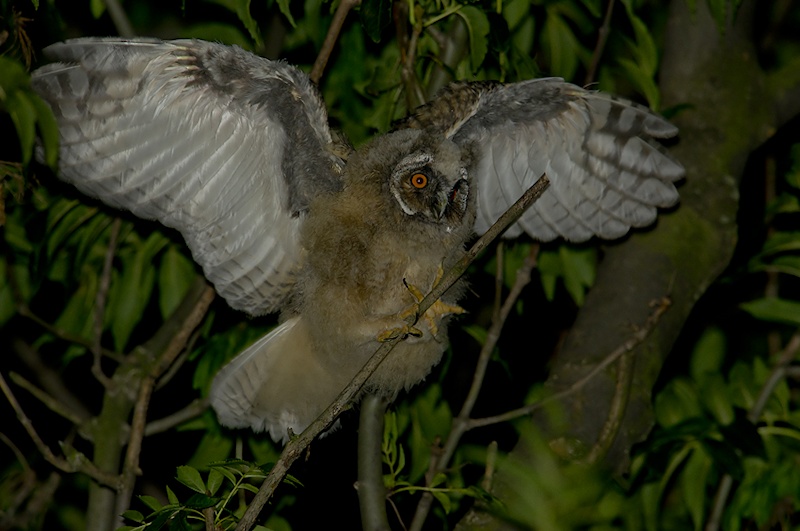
(48, 130)
(134, 516)
(478, 29)
(97, 7)
(23, 114)
(442, 498)
(200, 501)
(560, 44)
(242, 10)
(693, 485)
(774, 310)
(190, 477)
(716, 398)
(375, 16)
(151, 502)
(215, 479)
(173, 500)
(709, 353)
(284, 5)
(175, 276)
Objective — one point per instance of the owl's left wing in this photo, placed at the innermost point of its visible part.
(226, 147)
(606, 173)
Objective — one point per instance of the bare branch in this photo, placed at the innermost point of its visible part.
(639, 336)
(53, 404)
(100, 304)
(462, 422)
(602, 37)
(330, 39)
(120, 18)
(77, 463)
(195, 408)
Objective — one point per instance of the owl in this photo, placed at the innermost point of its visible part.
(235, 152)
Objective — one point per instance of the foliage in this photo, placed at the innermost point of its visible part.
(86, 291)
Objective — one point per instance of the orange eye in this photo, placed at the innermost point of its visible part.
(419, 180)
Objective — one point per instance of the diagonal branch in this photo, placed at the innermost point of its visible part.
(330, 39)
(297, 445)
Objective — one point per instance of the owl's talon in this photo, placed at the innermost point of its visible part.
(401, 332)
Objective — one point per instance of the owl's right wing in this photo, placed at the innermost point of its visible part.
(224, 146)
(606, 173)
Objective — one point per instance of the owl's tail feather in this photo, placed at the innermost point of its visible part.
(276, 384)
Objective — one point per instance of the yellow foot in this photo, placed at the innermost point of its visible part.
(433, 316)
(409, 316)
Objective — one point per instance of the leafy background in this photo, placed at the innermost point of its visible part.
(690, 420)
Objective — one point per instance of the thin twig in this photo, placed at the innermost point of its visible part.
(195, 408)
(296, 446)
(462, 422)
(53, 404)
(77, 463)
(120, 18)
(26, 312)
(602, 37)
(616, 410)
(50, 380)
(330, 39)
(639, 336)
(778, 373)
(100, 304)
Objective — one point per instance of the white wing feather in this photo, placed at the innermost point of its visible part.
(146, 127)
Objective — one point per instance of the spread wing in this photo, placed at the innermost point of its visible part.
(224, 146)
(606, 173)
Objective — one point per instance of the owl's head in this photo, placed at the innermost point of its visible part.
(429, 180)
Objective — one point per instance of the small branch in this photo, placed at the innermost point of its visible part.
(602, 37)
(186, 318)
(26, 312)
(100, 304)
(296, 446)
(371, 491)
(639, 336)
(78, 463)
(462, 422)
(779, 372)
(53, 404)
(330, 39)
(616, 410)
(50, 380)
(209, 517)
(120, 18)
(195, 408)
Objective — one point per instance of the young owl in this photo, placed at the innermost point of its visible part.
(234, 151)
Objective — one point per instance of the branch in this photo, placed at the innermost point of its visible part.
(330, 39)
(195, 408)
(120, 18)
(462, 421)
(371, 490)
(179, 328)
(602, 37)
(100, 304)
(78, 463)
(296, 446)
(639, 336)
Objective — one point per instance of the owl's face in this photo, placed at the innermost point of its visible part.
(429, 182)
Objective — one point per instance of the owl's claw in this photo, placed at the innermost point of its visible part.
(409, 315)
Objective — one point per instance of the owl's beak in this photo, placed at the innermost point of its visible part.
(453, 205)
